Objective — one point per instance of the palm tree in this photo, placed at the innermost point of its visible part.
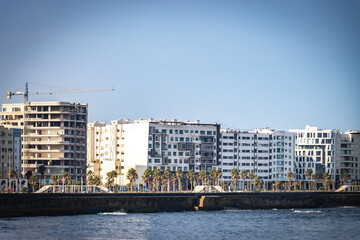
(90, 177)
(55, 179)
(308, 174)
(257, 182)
(315, 177)
(300, 185)
(243, 175)
(295, 183)
(218, 175)
(156, 176)
(213, 175)
(66, 178)
(146, 177)
(202, 176)
(325, 177)
(179, 176)
(167, 175)
(33, 181)
(129, 186)
(277, 185)
(251, 176)
(191, 176)
(163, 182)
(234, 177)
(345, 177)
(173, 180)
(41, 169)
(96, 181)
(290, 177)
(132, 176)
(111, 178)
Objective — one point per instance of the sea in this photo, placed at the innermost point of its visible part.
(321, 223)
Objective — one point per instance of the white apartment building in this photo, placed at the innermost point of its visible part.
(327, 151)
(143, 144)
(266, 152)
(53, 135)
(315, 149)
(104, 150)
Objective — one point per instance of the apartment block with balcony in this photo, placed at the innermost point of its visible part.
(348, 155)
(143, 144)
(315, 149)
(266, 152)
(10, 151)
(183, 145)
(53, 135)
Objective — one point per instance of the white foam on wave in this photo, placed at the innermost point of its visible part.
(307, 211)
(113, 213)
(237, 210)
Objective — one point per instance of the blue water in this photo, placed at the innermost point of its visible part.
(332, 223)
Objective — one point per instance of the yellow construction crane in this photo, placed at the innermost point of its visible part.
(26, 93)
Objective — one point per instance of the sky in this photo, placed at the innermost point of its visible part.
(243, 64)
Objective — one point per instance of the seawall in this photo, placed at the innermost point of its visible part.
(16, 205)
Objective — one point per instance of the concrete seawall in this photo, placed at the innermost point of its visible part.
(12, 205)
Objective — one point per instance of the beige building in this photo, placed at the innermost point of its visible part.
(53, 134)
(102, 152)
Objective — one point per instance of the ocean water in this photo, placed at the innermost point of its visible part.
(329, 223)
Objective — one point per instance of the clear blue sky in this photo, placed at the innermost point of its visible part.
(244, 64)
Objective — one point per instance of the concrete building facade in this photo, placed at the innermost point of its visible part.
(10, 149)
(316, 150)
(53, 135)
(266, 152)
(143, 144)
(347, 155)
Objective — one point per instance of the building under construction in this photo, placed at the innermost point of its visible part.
(53, 135)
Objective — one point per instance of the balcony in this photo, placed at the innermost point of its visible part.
(47, 142)
(33, 165)
(34, 150)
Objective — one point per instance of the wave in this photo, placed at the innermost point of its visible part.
(307, 211)
(113, 213)
(237, 210)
